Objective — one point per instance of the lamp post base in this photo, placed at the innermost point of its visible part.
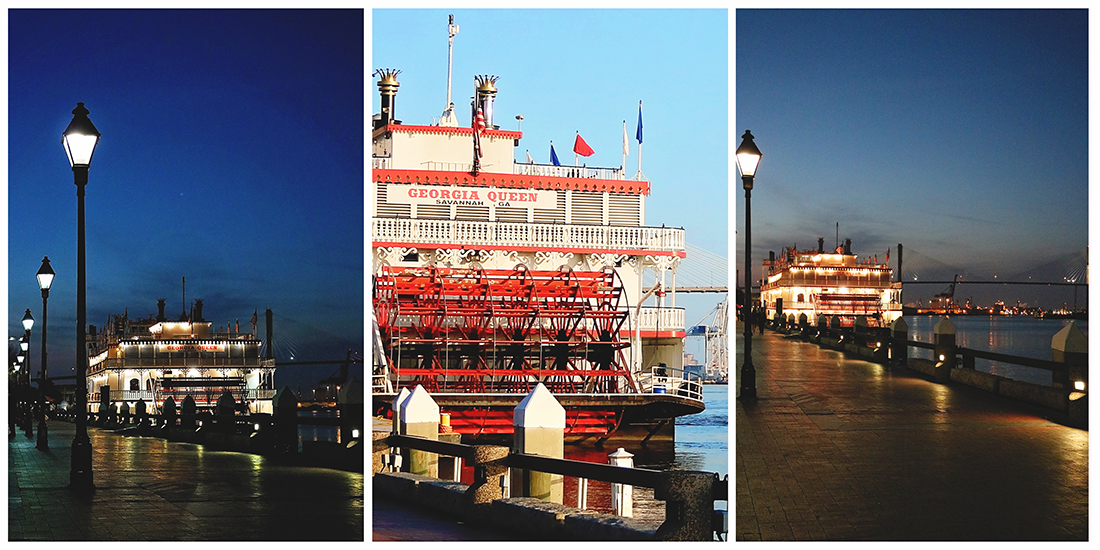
(80, 474)
(748, 389)
(43, 436)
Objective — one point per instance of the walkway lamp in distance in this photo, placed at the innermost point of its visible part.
(80, 139)
(748, 158)
(45, 279)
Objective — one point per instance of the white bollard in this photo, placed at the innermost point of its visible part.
(622, 496)
(420, 417)
(539, 424)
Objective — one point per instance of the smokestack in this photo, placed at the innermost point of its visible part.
(160, 310)
(198, 310)
(387, 88)
(771, 256)
(486, 94)
(270, 353)
(820, 245)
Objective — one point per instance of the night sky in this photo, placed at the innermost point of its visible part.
(232, 154)
(961, 134)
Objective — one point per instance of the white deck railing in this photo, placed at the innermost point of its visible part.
(525, 235)
(661, 318)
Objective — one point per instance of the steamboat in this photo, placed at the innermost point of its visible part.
(833, 283)
(491, 276)
(157, 358)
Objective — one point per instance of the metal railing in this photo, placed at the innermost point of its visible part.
(526, 235)
(568, 171)
(672, 381)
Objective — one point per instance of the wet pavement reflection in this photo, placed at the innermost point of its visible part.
(152, 489)
(843, 449)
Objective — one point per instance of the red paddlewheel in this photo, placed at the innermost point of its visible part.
(496, 330)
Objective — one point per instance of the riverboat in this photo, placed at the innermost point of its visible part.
(157, 358)
(491, 276)
(834, 283)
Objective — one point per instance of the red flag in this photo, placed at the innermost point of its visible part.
(581, 148)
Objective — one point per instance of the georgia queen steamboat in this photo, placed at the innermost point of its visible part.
(491, 276)
(834, 283)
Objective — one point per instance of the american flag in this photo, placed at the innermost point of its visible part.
(479, 126)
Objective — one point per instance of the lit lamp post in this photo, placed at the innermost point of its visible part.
(45, 279)
(80, 139)
(25, 345)
(748, 157)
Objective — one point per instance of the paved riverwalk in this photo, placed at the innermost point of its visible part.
(152, 489)
(837, 448)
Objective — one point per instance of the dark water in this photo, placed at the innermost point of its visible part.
(307, 432)
(1013, 335)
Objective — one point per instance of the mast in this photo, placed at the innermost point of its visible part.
(448, 118)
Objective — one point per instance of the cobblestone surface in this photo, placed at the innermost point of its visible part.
(152, 489)
(842, 449)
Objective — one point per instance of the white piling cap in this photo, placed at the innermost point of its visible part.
(899, 325)
(539, 410)
(396, 406)
(419, 407)
(621, 453)
(945, 326)
(1070, 340)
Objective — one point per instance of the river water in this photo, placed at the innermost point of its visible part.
(702, 444)
(1013, 335)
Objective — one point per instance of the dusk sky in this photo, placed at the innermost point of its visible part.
(585, 70)
(961, 134)
(232, 154)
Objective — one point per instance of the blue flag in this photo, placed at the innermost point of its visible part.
(639, 134)
(553, 155)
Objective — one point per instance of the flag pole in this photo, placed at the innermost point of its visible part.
(638, 175)
(626, 150)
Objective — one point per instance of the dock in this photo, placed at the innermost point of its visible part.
(839, 448)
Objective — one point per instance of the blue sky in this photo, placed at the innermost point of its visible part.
(585, 70)
(961, 134)
(232, 154)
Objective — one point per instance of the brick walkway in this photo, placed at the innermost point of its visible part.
(842, 449)
(152, 489)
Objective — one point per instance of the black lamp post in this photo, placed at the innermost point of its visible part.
(45, 279)
(80, 139)
(748, 157)
(25, 345)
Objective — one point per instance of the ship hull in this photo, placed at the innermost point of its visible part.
(588, 417)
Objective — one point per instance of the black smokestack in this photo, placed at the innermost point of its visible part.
(847, 246)
(820, 245)
(160, 310)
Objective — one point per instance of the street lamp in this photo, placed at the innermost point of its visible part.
(748, 157)
(80, 139)
(25, 345)
(45, 279)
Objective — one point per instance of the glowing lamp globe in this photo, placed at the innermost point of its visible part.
(80, 138)
(45, 274)
(748, 157)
